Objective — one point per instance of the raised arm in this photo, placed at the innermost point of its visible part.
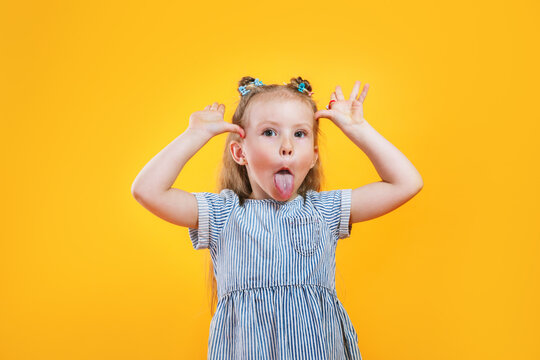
(400, 179)
(152, 187)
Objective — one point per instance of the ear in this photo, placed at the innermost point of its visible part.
(237, 153)
(315, 155)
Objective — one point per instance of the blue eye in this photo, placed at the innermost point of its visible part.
(302, 132)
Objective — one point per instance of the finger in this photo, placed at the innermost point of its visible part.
(221, 108)
(332, 98)
(215, 106)
(239, 130)
(355, 90)
(323, 114)
(207, 108)
(236, 129)
(364, 93)
(339, 93)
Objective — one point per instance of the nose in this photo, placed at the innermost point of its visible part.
(286, 147)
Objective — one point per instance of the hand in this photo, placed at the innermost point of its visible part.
(210, 121)
(346, 112)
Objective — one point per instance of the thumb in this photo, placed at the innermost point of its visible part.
(235, 128)
(329, 114)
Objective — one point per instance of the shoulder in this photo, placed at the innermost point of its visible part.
(334, 206)
(329, 197)
(227, 195)
(225, 200)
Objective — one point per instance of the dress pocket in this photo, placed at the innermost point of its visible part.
(305, 234)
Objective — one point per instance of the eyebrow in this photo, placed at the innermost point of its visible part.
(275, 123)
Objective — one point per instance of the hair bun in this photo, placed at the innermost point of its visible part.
(246, 80)
(298, 80)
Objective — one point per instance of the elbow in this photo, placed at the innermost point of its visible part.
(138, 189)
(141, 194)
(418, 184)
(135, 191)
(414, 186)
(136, 194)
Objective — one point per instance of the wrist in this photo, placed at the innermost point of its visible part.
(197, 133)
(357, 126)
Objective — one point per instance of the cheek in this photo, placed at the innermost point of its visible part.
(260, 155)
(308, 157)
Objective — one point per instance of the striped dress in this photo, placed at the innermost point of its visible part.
(274, 263)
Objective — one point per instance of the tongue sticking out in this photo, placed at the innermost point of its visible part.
(284, 183)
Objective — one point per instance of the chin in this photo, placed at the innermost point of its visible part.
(279, 198)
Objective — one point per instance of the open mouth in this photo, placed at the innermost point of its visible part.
(284, 182)
(284, 170)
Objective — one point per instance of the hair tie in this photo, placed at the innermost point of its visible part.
(244, 90)
(302, 87)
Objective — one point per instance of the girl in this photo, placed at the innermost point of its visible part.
(271, 232)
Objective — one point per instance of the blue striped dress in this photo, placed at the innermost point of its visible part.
(274, 263)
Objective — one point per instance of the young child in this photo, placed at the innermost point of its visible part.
(271, 232)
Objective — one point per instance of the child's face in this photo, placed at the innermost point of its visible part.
(279, 133)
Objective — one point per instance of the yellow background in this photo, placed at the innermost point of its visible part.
(91, 91)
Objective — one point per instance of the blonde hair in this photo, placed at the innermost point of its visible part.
(234, 176)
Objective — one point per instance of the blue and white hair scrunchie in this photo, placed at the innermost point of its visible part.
(244, 90)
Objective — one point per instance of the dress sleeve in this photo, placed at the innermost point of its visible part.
(214, 210)
(335, 207)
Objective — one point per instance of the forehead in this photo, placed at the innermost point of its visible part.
(279, 112)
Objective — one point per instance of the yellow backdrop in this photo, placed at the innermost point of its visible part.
(91, 91)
